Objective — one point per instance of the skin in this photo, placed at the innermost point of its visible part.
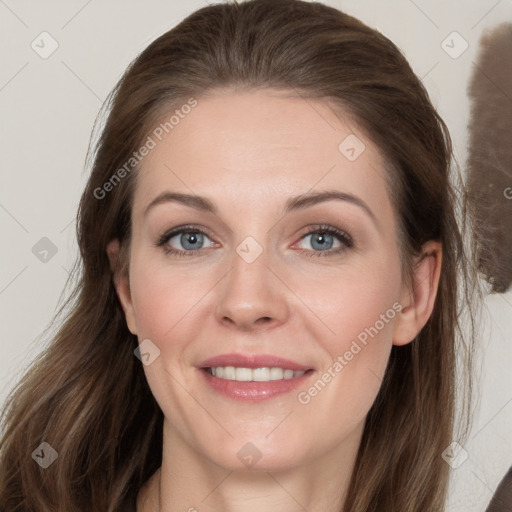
(248, 152)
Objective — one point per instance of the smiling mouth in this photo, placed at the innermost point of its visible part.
(264, 374)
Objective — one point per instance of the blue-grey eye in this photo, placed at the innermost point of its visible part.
(189, 240)
(321, 241)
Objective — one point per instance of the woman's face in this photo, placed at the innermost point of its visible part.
(273, 274)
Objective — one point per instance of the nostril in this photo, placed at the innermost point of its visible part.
(264, 319)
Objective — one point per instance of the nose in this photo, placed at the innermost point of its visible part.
(252, 295)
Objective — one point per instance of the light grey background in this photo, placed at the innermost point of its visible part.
(47, 109)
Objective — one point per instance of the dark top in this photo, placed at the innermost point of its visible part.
(502, 499)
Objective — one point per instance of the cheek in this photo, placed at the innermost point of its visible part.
(355, 303)
(358, 312)
(163, 296)
(361, 314)
(164, 300)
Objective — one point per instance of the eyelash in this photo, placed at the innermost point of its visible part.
(342, 236)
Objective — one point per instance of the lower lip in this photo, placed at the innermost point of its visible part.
(254, 391)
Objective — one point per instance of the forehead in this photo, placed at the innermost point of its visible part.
(254, 148)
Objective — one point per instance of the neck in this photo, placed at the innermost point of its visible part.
(188, 481)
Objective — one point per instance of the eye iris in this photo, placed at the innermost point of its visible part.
(320, 238)
(191, 238)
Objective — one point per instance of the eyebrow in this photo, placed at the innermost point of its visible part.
(292, 204)
(307, 200)
(192, 201)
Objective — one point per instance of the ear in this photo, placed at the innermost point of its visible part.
(121, 283)
(418, 296)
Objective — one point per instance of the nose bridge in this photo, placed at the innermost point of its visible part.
(252, 293)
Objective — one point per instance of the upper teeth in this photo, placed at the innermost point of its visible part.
(254, 374)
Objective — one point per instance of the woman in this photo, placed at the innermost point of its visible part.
(266, 316)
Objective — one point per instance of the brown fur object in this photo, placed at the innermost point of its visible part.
(490, 156)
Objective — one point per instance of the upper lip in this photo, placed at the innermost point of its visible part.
(252, 361)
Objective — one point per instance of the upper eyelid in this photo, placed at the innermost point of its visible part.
(309, 230)
(199, 229)
(297, 203)
(171, 233)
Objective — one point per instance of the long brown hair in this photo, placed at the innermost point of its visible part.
(87, 396)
